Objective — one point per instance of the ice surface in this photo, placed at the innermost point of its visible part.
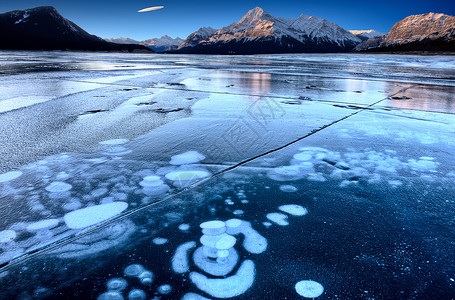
(5, 177)
(309, 288)
(180, 260)
(114, 142)
(189, 157)
(278, 218)
(228, 287)
(379, 155)
(92, 215)
(293, 209)
(114, 234)
(7, 236)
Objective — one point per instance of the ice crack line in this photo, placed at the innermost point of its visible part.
(312, 132)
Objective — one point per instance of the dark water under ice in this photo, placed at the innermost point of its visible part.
(338, 168)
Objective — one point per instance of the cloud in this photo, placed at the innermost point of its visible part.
(151, 8)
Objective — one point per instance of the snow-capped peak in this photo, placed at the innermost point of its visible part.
(259, 26)
(369, 34)
(254, 15)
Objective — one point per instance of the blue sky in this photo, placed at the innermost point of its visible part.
(180, 18)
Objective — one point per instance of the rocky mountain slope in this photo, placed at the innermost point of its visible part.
(260, 32)
(43, 28)
(427, 32)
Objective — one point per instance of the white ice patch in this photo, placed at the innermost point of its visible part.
(213, 227)
(8, 176)
(110, 295)
(304, 156)
(116, 284)
(228, 287)
(278, 218)
(238, 212)
(153, 186)
(72, 205)
(160, 241)
(180, 262)
(293, 209)
(164, 289)
(43, 224)
(137, 294)
(97, 241)
(114, 142)
(190, 157)
(146, 278)
(184, 227)
(58, 187)
(253, 242)
(62, 176)
(92, 215)
(423, 164)
(134, 270)
(193, 296)
(395, 183)
(286, 173)
(7, 236)
(288, 188)
(309, 288)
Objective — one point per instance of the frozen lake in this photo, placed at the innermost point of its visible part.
(135, 176)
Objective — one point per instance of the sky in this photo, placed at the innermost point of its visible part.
(112, 19)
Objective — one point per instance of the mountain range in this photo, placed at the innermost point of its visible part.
(164, 43)
(43, 28)
(261, 32)
(426, 32)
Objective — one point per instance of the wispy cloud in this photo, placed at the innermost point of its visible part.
(151, 8)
